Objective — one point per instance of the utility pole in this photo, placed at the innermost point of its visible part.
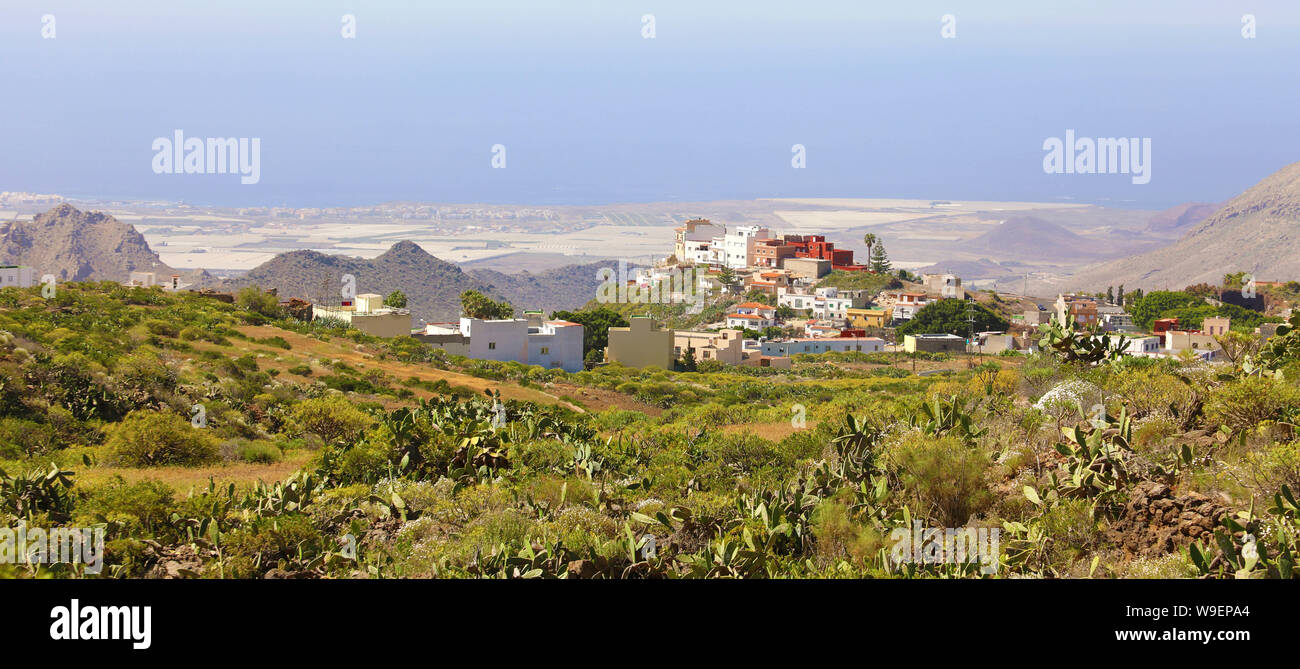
(970, 322)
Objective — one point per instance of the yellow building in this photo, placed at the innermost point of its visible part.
(641, 344)
(370, 316)
(866, 318)
(723, 345)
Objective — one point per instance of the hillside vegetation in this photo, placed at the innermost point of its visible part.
(225, 441)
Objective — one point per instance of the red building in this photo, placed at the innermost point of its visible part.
(816, 247)
(1163, 325)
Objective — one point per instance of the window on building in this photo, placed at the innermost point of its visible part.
(492, 346)
(546, 350)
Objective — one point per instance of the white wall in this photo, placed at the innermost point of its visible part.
(496, 340)
(563, 344)
(20, 277)
(829, 344)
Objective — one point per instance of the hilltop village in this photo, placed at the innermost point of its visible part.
(747, 295)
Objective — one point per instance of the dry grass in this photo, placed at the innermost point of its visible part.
(305, 349)
(599, 399)
(774, 431)
(242, 474)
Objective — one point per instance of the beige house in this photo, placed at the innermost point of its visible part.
(1181, 340)
(807, 268)
(934, 343)
(641, 344)
(1216, 325)
(992, 342)
(944, 285)
(369, 315)
(1036, 317)
(723, 345)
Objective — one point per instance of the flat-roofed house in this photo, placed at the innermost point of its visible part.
(725, 346)
(772, 253)
(369, 315)
(738, 245)
(993, 342)
(752, 315)
(1036, 317)
(907, 303)
(795, 298)
(1177, 341)
(1114, 318)
(693, 238)
(867, 318)
(15, 276)
(944, 285)
(556, 344)
(1144, 345)
(1083, 309)
(807, 268)
(641, 344)
(530, 341)
(934, 343)
(1216, 325)
(816, 345)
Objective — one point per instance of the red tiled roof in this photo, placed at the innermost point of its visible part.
(753, 305)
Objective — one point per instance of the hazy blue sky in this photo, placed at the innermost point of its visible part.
(591, 112)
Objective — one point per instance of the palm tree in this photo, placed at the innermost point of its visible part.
(870, 240)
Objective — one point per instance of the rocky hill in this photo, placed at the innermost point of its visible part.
(567, 287)
(432, 286)
(76, 245)
(1257, 232)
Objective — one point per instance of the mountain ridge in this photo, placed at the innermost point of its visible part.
(76, 245)
(1257, 231)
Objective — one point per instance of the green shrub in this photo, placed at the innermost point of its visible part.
(266, 543)
(24, 438)
(1276, 466)
(1245, 403)
(140, 510)
(161, 328)
(334, 419)
(942, 478)
(276, 341)
(1153, 392)
(151, 438)
(259, 452)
